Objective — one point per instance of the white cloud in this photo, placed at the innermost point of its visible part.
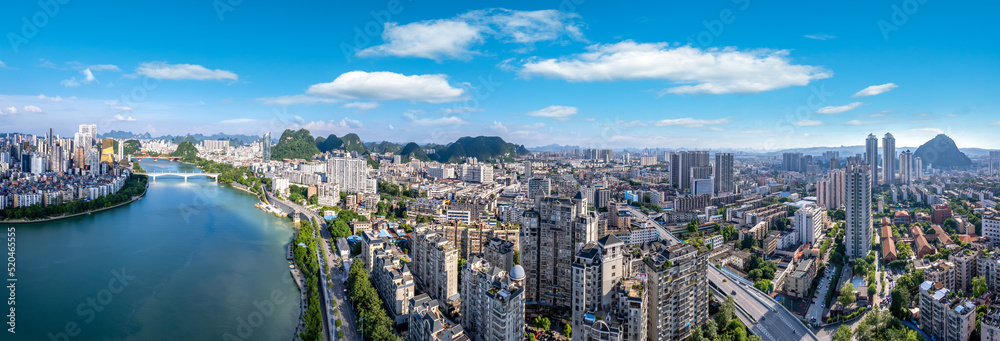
(997, 123)
(538, 125)
(457, 38)
(433, 39)
(32, 109)
(441, 121)
(880, 113)
(344, 125)
(709, 71)
(9, 110)
(861, 123)
(875, 90)
(237, 121)
(363, 106)
(388, 86)
(689, 122)
(838, 109)
(105, 67)
(934, 131)
(47, 98)
(162, 70)
(2, 65)
(820, 36)
(498, 126)
(295, 99)
(557, 112)
(590, 119)
(808, 123)
(88, 77)
(459, 110)
(119, 117)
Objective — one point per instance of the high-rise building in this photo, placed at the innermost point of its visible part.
(212, 146)
(351, 174)
(677, 281)
(809, 223)
(888, 159)
(994, 162)
(499, 252)
(597, 268)
(792, 162)
(681, 164)
(871, 158)
(906, 167)
(830, 191)
(265, 144)
(551, 234)
(527, 169)
(944, 315)
(858, 203)
(435, 264)
(539, 187)
(724, 174)
(493, 301)
(90, 133)
(918, 168)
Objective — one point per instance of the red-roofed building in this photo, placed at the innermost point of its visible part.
(923, 248)
(888, 250)
(901, 217)
(940, 213)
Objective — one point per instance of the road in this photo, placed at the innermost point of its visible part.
(327, 306)
(774, 321)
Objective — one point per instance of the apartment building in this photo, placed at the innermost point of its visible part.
(493, 301)
(426, 323)
(944, 315)
(552, 232)
(677, 283)
(394, 283)
(435, 264)
(597, 268)
(499, 252)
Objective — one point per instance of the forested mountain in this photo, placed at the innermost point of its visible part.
(941, 152)
(295, 144)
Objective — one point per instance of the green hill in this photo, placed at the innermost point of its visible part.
(186, 151)
(942, 153)
(329, 143)
(384, 147)
(352, 143)
(295, 144)
(413, 151)
(483, 148)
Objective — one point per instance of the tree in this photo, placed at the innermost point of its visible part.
(903, 250)
(843, 333)
(729, 233)
(726, 311)
(711, 330)
(872, 326)
(542, 323)
(900, 302)
(950, 225)
(567, 330)
(764, 286)
(692, 226)
(517, 257)
(860, 267)
(846, 294)
(978, 286)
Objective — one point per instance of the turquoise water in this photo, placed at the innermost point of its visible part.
(198, 262)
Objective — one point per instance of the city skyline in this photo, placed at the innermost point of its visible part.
(534, 74)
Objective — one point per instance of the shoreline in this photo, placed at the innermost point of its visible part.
(48, 219)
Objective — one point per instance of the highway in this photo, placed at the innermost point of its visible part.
(774, 322)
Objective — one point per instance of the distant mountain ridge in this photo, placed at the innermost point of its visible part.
(293, 144)
(240, 139)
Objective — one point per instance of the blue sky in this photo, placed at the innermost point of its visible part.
(705, 74)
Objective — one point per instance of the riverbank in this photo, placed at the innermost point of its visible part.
(47, 219)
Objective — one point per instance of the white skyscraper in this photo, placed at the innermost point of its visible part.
(89, 130)
(809, 221)
(858, 238)
(724, 173)
(906, 167)
(888, 159)
(871, 158)
(350, 173)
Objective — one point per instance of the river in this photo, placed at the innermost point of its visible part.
(190, 261)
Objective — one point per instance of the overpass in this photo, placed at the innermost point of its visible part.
(154, 157)
(772, 322)
(153, 176)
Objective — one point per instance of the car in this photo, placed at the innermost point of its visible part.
(725, 280)
(733, 292)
